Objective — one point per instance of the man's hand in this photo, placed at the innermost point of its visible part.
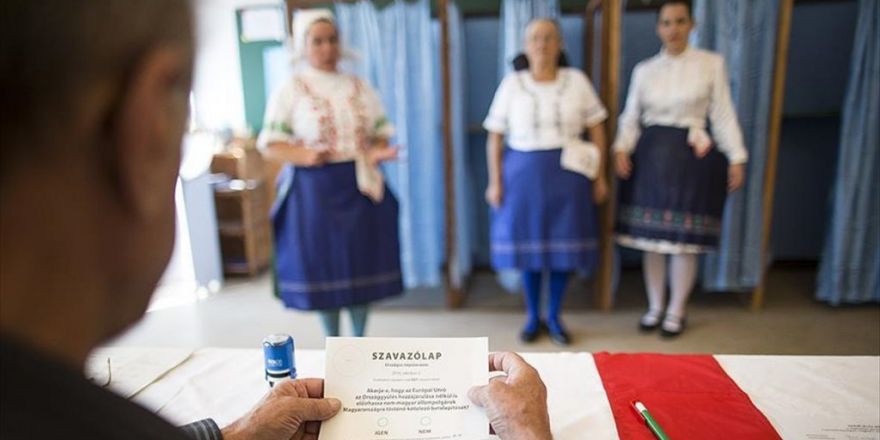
(293, 409)
(516, 404)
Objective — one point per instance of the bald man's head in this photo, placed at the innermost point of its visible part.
(95, 98)
(56, 54)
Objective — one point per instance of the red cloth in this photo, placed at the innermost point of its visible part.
(690, 396)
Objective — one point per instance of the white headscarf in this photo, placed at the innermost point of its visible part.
(303, 19)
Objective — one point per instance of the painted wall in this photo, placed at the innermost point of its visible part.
(217, 85)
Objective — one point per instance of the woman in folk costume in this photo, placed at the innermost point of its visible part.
(675, 177)
(335, 222)
(540, 186)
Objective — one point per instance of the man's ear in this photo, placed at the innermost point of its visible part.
(147, 128)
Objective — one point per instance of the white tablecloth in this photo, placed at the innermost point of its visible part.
(804, 397)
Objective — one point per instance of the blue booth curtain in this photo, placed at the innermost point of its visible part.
(465, 188)
(360, 37)
(744, 32)
(849, 272)
(395, 52)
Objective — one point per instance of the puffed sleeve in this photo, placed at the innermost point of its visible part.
(592, 110)
(497, 121)
(722, 115)
(629, 126)
(379, 125)
(279, 113)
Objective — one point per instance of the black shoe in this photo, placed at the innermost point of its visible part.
(650, 321)
(669, 329)
(558, 335)
(560, 338)
(528, 335)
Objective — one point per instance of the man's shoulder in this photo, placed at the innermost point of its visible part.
(41, 398)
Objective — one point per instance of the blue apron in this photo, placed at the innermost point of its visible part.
(547, 218)
(672, 195)
(334, 247)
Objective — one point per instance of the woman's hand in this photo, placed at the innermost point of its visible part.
(700, 141)
(735, 177)
(622, 164)
(494, 194)
(308, 157)
(600, 190)
(298, 154)
(379, 154)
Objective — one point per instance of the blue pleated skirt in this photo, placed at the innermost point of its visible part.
(547, 218)
(671, 195)
(334, 247)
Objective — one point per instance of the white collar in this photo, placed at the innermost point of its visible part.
(560, 76)
(314, 72)
(664, 54)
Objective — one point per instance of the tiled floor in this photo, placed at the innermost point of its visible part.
(244, 311)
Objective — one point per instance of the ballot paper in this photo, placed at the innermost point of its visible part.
(405, 388)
